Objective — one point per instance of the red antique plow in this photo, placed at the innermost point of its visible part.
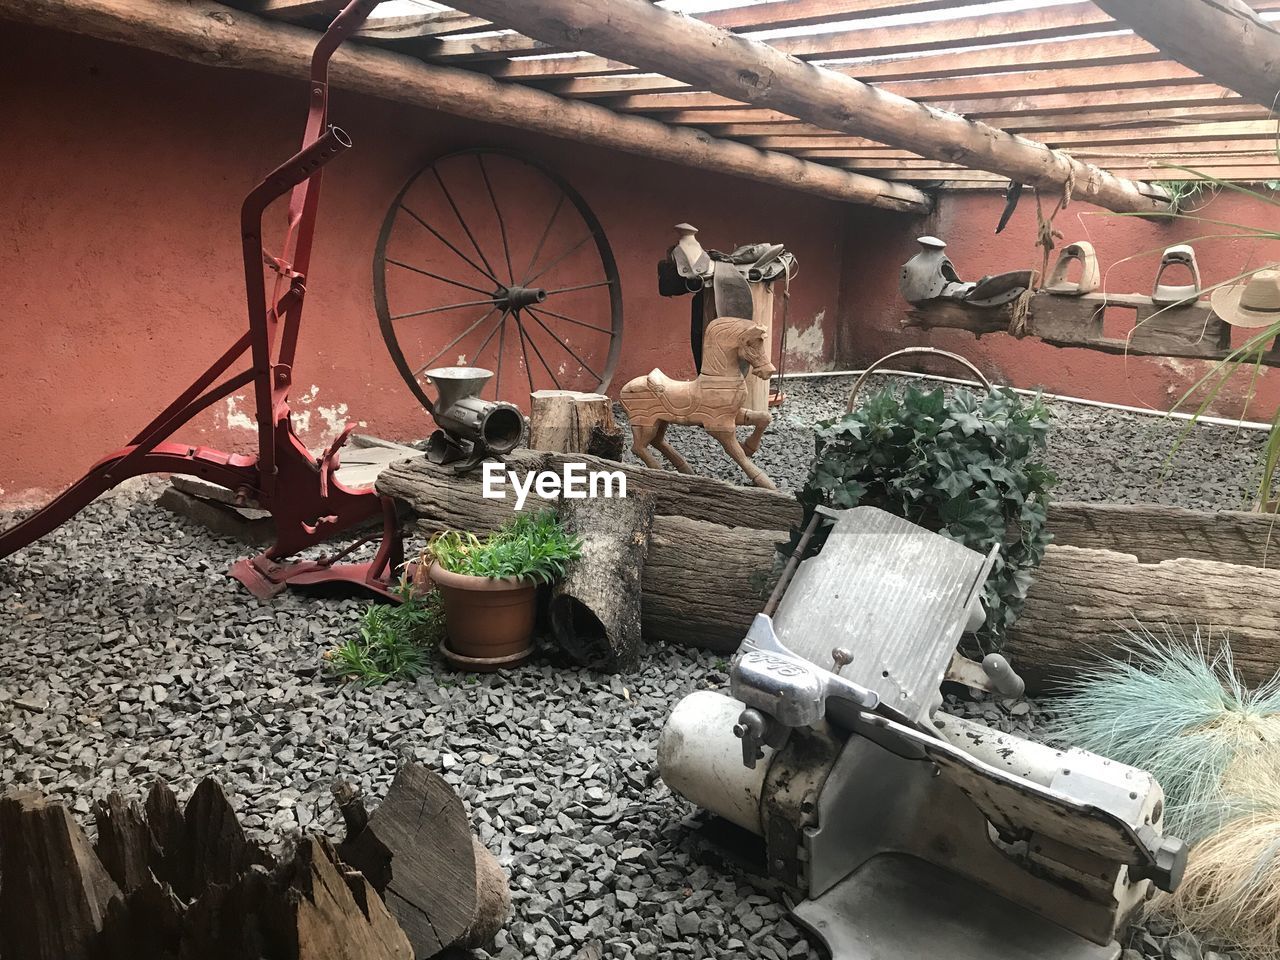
(302, 492)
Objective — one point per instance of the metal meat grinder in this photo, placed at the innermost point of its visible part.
(908, 832)
(471, 429)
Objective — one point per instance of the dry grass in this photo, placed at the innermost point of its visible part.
(1231, 890)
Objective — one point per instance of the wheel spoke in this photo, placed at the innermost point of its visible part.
(435, 276)
(546, 232)
(561, 316)
(475, 357)
(528, 370)
(452, 306)
(493, 274)
(546, 366)
(580, 286)
(439, 236)
(454, 342)
(502, 340)
(502, 227)
(582, 362)
(556, 262)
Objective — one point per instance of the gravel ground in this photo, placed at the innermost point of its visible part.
(131, 654)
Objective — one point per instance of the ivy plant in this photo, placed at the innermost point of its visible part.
(965, 467)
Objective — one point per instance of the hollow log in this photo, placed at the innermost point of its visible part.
(707, 57)
(1083, 599)
(210, 33)
(594, 609)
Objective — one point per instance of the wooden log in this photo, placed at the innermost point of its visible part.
(211, 33)
(704, 582)
(656, 40)
(1153, 533)
(958, 315)
(1223, 40)
(594, 609)
(441, 499)
(417, 851)
(1083, 599)
(54, 892)
(563, 420)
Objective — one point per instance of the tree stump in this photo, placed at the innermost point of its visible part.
(566, 421)
(595, 608)
(418, 852)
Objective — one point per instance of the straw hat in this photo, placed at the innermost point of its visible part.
(1254, 303)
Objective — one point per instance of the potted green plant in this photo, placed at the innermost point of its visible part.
(488, 587)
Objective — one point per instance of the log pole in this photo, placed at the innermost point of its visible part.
(213, 34)
(707, 57)
(1222, 40)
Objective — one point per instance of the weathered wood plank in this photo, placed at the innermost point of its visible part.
(54, 892)
(1153, 533)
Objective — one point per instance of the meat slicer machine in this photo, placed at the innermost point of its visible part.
(904, 831)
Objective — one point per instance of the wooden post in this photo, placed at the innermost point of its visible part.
(657, 40)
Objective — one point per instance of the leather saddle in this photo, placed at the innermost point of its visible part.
(688, 268)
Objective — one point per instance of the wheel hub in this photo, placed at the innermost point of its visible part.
(515, 297)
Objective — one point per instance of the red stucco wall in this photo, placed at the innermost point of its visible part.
(1129, 254)
(120, 266)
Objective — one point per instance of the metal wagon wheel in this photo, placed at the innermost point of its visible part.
(489, 259)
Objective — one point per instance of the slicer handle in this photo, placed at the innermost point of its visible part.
(1006, 682)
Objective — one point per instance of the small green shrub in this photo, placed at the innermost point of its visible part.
(964, 467)
(394, 641)
(530, 545)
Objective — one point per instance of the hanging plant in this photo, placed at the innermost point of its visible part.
(966, 468)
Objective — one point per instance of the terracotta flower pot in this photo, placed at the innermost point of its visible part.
(488, 623)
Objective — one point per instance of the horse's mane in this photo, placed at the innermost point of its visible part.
(738, 324)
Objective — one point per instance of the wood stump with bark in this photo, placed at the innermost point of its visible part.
(170, 883)
(570, 421)
(595, 608)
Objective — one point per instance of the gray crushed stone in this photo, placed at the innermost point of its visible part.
(130, 654)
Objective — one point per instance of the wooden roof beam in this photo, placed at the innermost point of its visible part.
(206, 32)
(1234, 131)
(1071, 104)
(741, 68)
(1223, 40)
(1027, 83)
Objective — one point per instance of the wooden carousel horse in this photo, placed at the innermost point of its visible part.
(732, 348)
